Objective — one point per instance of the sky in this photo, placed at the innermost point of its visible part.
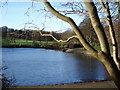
(13, 15)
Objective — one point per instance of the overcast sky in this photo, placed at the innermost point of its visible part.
(13, 16)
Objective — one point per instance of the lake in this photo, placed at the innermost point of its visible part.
(34, 66)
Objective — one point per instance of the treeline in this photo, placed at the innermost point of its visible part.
(35, 35)
(88, 31)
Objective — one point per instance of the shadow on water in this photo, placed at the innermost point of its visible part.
(92, 69)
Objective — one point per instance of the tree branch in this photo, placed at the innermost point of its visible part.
(74, 36)
(102, 4)
(73, 25)
(103, 19)
(74, 12)
(35, 26)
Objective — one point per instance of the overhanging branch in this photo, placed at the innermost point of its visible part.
(72, 24)
(74, 36)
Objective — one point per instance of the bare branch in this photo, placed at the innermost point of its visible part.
(74, 36)
(102, 4)
(2, 4)
(36, 27)
(27, 12)
(103, 19)
(73, 12)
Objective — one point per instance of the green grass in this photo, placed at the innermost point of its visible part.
(40, 44)
(21, 42)
(30, 43)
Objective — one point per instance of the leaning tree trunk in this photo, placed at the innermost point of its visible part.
(111, 67)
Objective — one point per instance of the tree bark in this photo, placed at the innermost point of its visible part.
(112, 33)
(104, 55)
(111, 67)
(98, 27)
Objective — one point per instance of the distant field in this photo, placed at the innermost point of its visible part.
(30, 43)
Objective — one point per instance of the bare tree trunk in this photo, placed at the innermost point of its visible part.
(103, 56)
(111, 67)
(112, 33)
(98, 27)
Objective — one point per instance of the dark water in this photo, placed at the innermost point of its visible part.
(31, 66)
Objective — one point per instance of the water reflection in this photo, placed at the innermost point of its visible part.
(94, 69)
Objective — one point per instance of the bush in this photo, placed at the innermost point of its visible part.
(36, 44)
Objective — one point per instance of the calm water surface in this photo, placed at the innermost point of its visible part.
(33, 66)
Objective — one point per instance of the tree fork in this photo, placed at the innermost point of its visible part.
(98, 27)
(112, 33)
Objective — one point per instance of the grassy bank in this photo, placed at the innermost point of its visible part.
(20, 43)
(36, 44)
